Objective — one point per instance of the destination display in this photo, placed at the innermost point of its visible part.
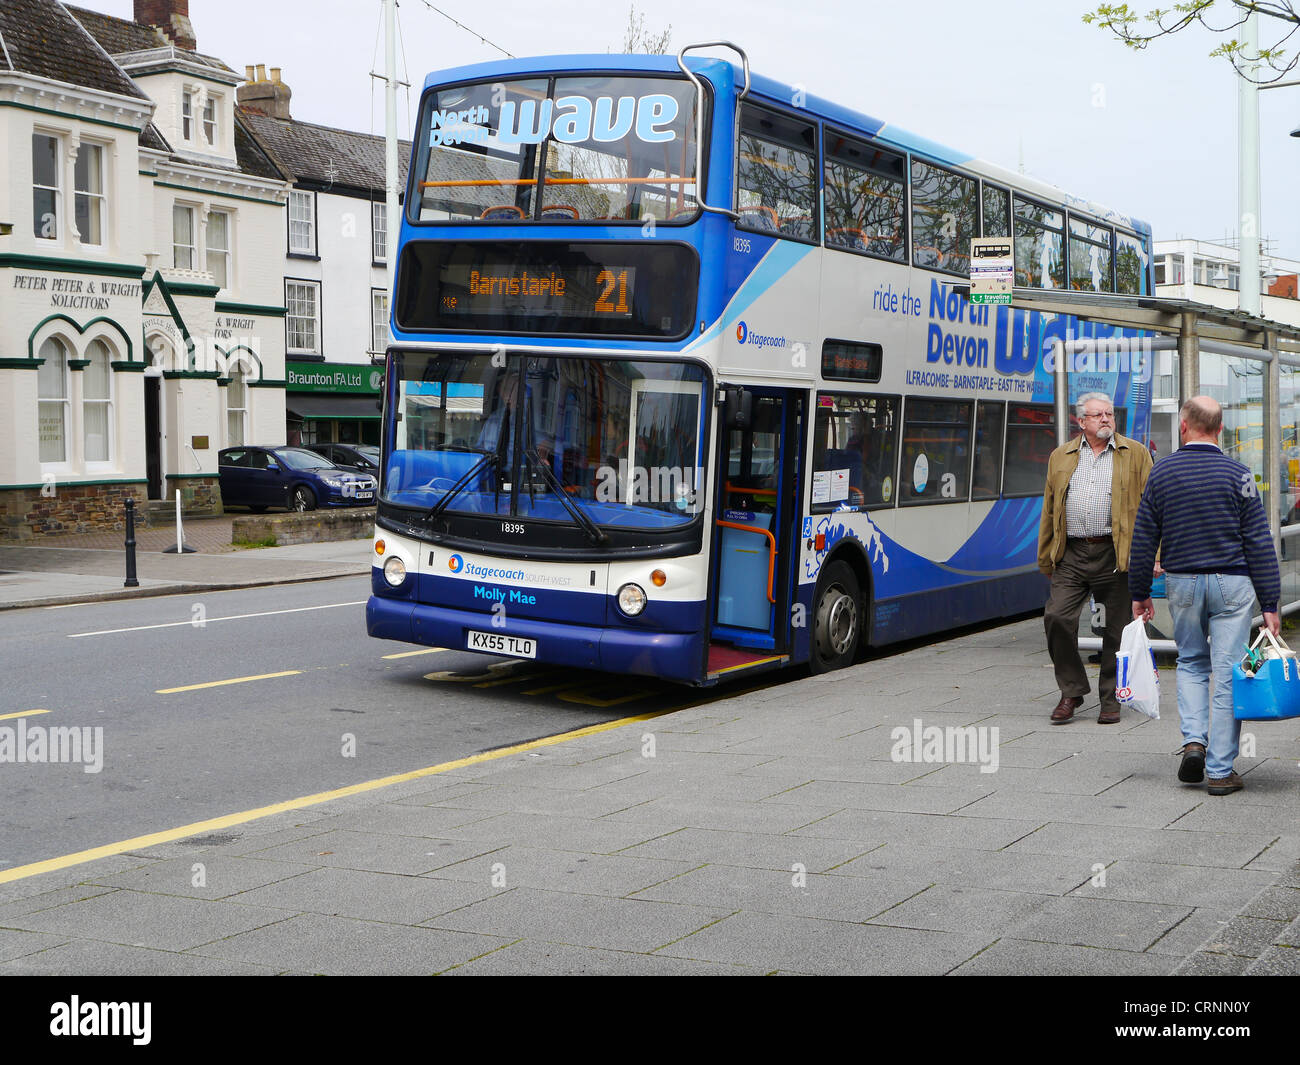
(602, 288)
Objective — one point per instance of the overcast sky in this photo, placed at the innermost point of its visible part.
(1151, 134)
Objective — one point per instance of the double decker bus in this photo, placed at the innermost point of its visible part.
(684, 381)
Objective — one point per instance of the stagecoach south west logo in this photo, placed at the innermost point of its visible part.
(758, 340)
(455, 563)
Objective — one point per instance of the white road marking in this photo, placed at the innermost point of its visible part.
(209, 621)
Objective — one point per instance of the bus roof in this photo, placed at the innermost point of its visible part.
(780, 94)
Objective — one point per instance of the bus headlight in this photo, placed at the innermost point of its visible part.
(631, 599)
(394, 571)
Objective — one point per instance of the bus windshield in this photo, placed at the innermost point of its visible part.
(562, 149)
(507, 434)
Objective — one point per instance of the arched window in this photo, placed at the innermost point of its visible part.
(97, 403)
(52, 394)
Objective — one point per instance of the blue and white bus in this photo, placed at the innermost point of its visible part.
(684, 381)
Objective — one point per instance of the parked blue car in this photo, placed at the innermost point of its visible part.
(292, 477)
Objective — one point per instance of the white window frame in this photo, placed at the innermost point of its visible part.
(187, 113)
(236, 380)
(65, 463)
(80, 194)
(226, 253)
(211, 124)
(305, 220)
(379, 321)
(306, 285)
(56, 188)
(106, 463)
(379, 232)
(193, 246)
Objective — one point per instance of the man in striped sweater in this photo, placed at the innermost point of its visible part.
(1202, 510)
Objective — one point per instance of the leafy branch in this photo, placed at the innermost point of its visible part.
(1139, 30)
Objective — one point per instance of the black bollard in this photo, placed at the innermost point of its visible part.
(130, 581)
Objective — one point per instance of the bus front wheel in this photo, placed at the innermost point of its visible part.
(837, 619)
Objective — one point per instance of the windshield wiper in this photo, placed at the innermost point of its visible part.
(489, 459)
(594, 532)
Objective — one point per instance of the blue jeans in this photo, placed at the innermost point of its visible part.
(1212, 613)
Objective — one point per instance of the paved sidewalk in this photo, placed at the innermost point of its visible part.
(85, 567)
(779, 831)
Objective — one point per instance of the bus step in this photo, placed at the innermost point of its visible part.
(725, 659)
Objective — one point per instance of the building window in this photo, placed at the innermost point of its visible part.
(97, 403)
(210, 120)
(187, 115)
(89, 205)
(218, 244)
(378, 321)
(45, 186)
(182, 237)
(379, 231)
(52, 394)
(236, 409)
(302, 223)
(302, 316)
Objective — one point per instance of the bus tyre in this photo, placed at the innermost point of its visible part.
(837, 619)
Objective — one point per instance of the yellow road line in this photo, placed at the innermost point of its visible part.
(233, 680)
(22, 713)
(169, 835)
(411, 654)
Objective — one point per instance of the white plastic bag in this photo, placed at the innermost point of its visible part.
(1137, 682)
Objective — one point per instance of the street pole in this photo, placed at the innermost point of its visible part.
(393, 221)
(1249, 299)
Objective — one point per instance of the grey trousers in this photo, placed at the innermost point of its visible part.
(1086, 569)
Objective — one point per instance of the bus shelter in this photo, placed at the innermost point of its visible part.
(1250, 364)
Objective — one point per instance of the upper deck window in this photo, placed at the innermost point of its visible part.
(1089, 256)
(865, 198)
(945, 215)
(595, 148)
(1040, 245)
(776, 181)
(1131, 261)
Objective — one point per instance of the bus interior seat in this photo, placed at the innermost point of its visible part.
(798, 226)
(760, 218)
(501, 211)
(560, 210)
(847, 237)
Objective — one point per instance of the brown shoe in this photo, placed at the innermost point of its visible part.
(1108, 717)
(1224, 785)
(1191, 770)
(1065, 708)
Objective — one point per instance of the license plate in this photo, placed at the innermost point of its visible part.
(496, 643)
(365, 495)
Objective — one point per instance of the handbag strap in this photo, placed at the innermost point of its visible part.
(1279, 644)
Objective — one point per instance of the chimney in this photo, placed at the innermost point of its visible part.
(170, 16)
(263, 95)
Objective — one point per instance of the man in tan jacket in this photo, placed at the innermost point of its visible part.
(1094, 484)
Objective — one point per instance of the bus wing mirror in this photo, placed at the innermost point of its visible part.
(739, 407)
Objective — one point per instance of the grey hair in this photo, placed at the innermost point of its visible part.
(1078, 403)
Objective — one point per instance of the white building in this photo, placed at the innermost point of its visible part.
(334, 263)
(141, 299)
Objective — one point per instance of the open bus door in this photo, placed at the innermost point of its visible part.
(754, 541)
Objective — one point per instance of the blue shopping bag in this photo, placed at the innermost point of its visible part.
(1273, 691)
